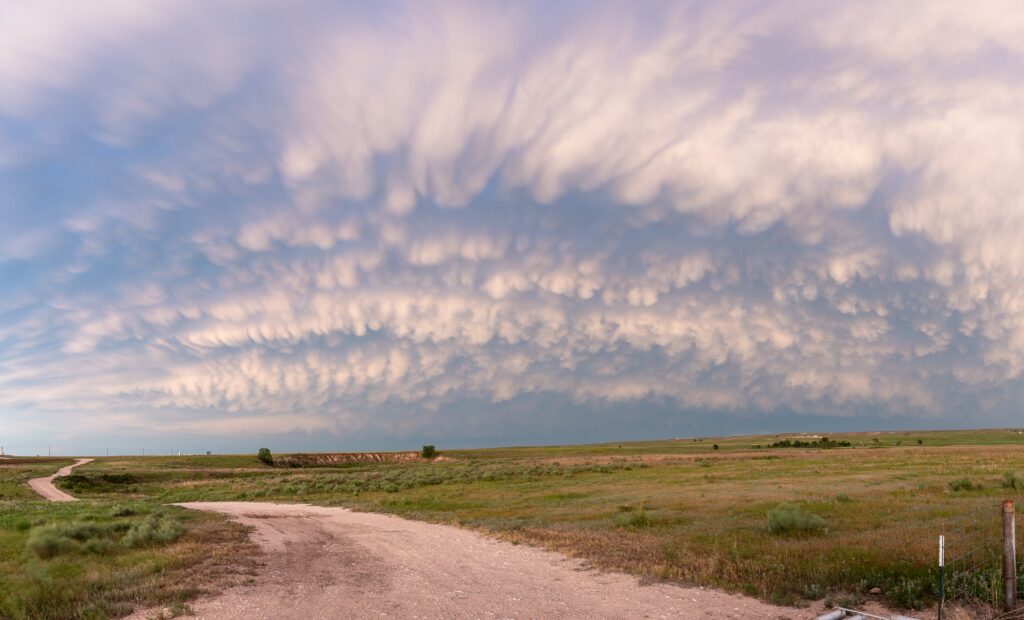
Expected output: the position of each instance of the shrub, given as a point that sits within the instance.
(715, 446)
(48, 541)
(920, 442)
(1011, 481)
(963, 484)
(787, 518)
(265, 456)
(428, 452)
(158, 528)
(96, 483)
(843, 498)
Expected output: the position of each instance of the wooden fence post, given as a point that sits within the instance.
(1009, 556)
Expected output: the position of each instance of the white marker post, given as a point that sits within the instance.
(942, 572)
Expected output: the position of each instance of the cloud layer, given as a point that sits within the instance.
(224, 218)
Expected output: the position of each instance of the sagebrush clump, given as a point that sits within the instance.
(788, 518)
(49, 541)
(158, 528)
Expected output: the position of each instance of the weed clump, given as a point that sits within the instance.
(791, 519)
(963, 484)
(1012, 481)
(911, 592)
(637, 520)
(158, 528)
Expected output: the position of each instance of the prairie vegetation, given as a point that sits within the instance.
(783, 525)
(100, 559)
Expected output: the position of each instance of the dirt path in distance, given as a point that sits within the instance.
(44, 486)
(334, 563)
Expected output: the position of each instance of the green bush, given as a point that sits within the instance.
(265, 456)
(963, 484)
(428, 452)
(96, 483)
(787, 518)
(1011, 481)
(48, 541)
(157, 528)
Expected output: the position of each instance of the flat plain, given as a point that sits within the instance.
(685, 510)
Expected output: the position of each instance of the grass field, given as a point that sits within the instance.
(681, 510)
(102, 558)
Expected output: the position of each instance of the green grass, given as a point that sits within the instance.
(99, 559)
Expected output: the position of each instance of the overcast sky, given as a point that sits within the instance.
(324, 225)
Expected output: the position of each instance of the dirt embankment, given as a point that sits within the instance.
(327, 459)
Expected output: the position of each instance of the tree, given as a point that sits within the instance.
(428, 452)
(265, 456)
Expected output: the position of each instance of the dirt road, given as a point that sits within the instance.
(333, 563)
(44, 486)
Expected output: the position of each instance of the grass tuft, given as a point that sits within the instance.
(963, 484)
(637, 520)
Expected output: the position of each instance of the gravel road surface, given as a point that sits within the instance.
(44, 486)
(334, 563)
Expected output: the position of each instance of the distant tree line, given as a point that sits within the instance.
(824, 442)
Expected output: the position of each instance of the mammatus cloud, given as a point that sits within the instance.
(228, 218)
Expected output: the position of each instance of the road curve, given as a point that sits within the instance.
(333, 563)
(44, 486)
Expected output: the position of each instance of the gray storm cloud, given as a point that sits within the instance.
(312, 219)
